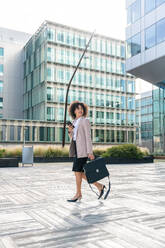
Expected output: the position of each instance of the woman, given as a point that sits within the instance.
(81, 146)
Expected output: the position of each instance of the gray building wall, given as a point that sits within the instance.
(13, 43)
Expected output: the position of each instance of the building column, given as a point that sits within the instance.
(127, 136)
(22, 134)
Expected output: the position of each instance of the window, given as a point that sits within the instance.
(159, 2)
(91, 115)
(122, 51)
(129, 19)
(160, 34)
(42, 133)
(150, 40)
(68, 38)
(60, 114)
(122, 85)
(110, 136)
(50, 114)
(19, 128)
(49, 94)
(123, 102)
(12, 128)
(1, 70)
(131, 86)
(136, 44)
(60, 95)
(60, 76)
(134, 12)
(1, 102)
(27, 133)
(133, 45)
(123, 118)
(122, 68)
(130, 137)
(60, 135)
(99, 135)
(50, 54)
(1, 86)
(51, 34)
(149, 5)
(128, 48)
(50, 74)
(50, 133)
(60, 36)
(1, 51)
(131, 103)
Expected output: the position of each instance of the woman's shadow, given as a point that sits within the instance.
(92, 214)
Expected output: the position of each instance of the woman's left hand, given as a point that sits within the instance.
(91, 156)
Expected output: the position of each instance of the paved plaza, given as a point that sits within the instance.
(34, 211)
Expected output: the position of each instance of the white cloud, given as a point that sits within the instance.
(108, 17)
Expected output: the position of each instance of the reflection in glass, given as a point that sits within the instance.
(1, 51)
(149, 5)
(129, 48)
(1, 86)
(136, 44)
(50, 113)
(136, 11)
(129, 15)
(150, 40)
(159, 2)
(1, 70)
(160, 34)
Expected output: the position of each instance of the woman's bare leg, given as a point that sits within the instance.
(98, 185)
(78, 176)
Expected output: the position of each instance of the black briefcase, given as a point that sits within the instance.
(96, 170)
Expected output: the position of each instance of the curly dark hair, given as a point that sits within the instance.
(75, 105)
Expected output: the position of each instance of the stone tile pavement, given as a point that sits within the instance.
(34, 212)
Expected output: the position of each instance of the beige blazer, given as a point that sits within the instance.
(83, 140)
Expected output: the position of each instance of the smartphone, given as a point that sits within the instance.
(69, 123)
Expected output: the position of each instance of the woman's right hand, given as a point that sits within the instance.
(70, 129)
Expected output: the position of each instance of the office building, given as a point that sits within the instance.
(144, 115)
(146, 40)
(51, 56)
(145, 35)
(11, 73)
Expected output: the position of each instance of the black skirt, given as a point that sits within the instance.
(78, 164)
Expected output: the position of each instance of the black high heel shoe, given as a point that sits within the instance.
(102, 192)
(76, 199)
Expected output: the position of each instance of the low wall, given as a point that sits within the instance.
(148, 159)
(9, 162)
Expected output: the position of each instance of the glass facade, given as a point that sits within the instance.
(1, 86)
(144, 113)
(101, 82)
(1, 69)
(160, 34)
(134, 45)
(152, 4)
(159, 120)
(150, 119)
(149, 5)
(150, 37)
(1, 102)
(1, 51)
(155, 34)
(134, 12)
